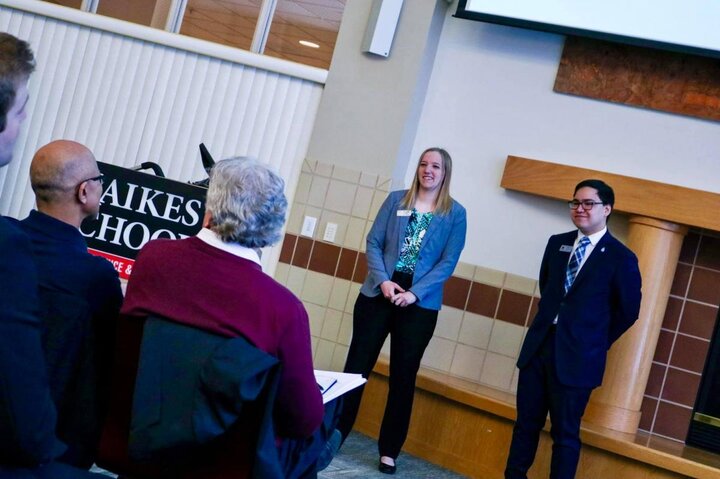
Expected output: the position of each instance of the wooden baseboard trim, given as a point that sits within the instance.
(467, 428)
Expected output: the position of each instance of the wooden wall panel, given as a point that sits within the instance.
(637, 76)
(474, 442)
(685, 206)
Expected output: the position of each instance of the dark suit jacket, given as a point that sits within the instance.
(193, 404)
(80, 299)
(602, 303)
(64, 265)
(193, 387)
(27, 414)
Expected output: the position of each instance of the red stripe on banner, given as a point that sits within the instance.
(122, 265)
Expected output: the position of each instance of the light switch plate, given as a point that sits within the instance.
(308, 226)
(330, 232)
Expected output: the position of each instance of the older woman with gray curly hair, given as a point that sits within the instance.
(214, 282)
(245, 203)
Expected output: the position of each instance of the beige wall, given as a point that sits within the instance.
(371, 105)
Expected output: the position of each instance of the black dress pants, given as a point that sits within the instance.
(539, 392)
(410, 329)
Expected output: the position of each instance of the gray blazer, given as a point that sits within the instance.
(439, 251)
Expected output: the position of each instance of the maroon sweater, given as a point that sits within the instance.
(196, 284)
(199, 285)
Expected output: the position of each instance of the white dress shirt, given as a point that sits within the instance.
(594, 238)
(211, 238)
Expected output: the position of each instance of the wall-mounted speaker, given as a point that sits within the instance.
(381, 26)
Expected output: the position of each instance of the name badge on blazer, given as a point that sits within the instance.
(404, 212)
(566, 248)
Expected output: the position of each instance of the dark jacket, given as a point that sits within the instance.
(27, 413)
(602, 303)
(79, 299)
(192, 387)
(200, 405)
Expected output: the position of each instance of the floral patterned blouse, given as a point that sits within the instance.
(414, 234)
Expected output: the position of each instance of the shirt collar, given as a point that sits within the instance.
(211, 238)
(594, 238)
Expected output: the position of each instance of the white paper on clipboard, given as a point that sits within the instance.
(333, 384)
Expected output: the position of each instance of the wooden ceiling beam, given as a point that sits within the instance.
(685, 206)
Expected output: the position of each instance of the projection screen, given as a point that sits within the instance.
(689, 26)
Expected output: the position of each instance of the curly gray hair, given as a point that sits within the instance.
(247, 202)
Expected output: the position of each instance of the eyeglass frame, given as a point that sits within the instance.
(586, 204)
(100, 178)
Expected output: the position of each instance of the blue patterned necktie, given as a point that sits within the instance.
(575, 262)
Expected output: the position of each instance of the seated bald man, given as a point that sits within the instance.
(80, 294)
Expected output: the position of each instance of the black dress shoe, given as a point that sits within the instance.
(386, 468)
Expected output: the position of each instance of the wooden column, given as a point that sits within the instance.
(616, 404)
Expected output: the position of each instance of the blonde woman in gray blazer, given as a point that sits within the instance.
(412, 249)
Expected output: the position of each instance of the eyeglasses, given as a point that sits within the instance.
(100, 178)
(586, 204)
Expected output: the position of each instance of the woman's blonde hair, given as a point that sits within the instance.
(444, 201)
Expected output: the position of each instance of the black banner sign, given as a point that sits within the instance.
(137, 207)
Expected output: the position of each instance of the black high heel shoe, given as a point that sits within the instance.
(386, 468)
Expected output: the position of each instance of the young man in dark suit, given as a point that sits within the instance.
(28, 444)
(27, 416)
(590, 295)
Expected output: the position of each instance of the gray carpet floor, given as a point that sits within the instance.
(359, 458)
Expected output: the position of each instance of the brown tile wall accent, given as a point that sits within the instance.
(301, 256)
(346, 265)
(681, 386)
(655, 380)
(360, 268)
(672, 313)
(704, 286)
(688, 252)
(483, 299)
(684, 340)
(533, 308)
(672, 420)
(707, 256)
(456, 291)
(681, 280)
(698, 320)
(288, 248)
(648, 409)
(459, 293)
(689, 353)
(664, 346)
(324, 258)
(514, 307)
